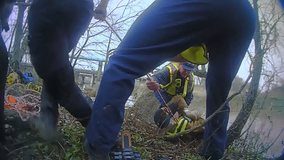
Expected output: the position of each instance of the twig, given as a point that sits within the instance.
(214, 114)
(264, 150)
(61, 147)
(51, 153)
(113, 30)
(262, 104)
(17, 149)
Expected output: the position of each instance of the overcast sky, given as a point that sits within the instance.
(243, 72)
(244, 69)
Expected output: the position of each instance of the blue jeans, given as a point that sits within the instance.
(163, 31)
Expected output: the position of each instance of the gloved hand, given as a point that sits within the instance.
(100, 12)
(5, 26)
(6, 10)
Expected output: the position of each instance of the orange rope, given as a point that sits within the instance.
(20, 105)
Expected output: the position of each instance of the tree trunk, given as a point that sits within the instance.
(17, 53)
(239, 123)
(108, 50)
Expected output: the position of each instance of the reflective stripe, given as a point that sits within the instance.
(172, 68)
(193, 81)
(182, 124)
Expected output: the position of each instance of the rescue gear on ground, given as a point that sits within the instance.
(18, 77)
(20, 103)
(21, 106)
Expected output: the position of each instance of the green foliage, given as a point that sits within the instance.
(238, 151)
(193, 157)
(72, 134)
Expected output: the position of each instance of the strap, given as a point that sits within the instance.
(172, 69)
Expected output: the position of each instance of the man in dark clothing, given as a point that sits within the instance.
(175, 79)
(54, 29)
(6, 7)
(3, 72)
(164, 32)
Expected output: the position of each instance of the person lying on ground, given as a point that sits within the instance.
(175, 79)
(165, 119)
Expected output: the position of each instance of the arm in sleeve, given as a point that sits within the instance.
(163, 77)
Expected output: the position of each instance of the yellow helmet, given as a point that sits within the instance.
(196, 54)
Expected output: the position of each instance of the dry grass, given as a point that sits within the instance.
(138, 120)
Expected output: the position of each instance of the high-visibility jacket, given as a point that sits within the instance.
(175, 82)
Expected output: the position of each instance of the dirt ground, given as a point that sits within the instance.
(25, 144)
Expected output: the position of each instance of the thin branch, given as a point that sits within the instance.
(264, 150)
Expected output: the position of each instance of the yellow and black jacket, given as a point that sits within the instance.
(185, 123)
(174, 84)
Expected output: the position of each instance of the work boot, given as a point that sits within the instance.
(93, 153)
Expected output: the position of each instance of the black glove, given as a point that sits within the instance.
(5, 13)
(5, 26)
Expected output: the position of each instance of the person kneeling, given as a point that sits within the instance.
(165, 119)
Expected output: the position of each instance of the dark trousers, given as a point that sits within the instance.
(163, 31)
(55, 27)
(3, 74)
